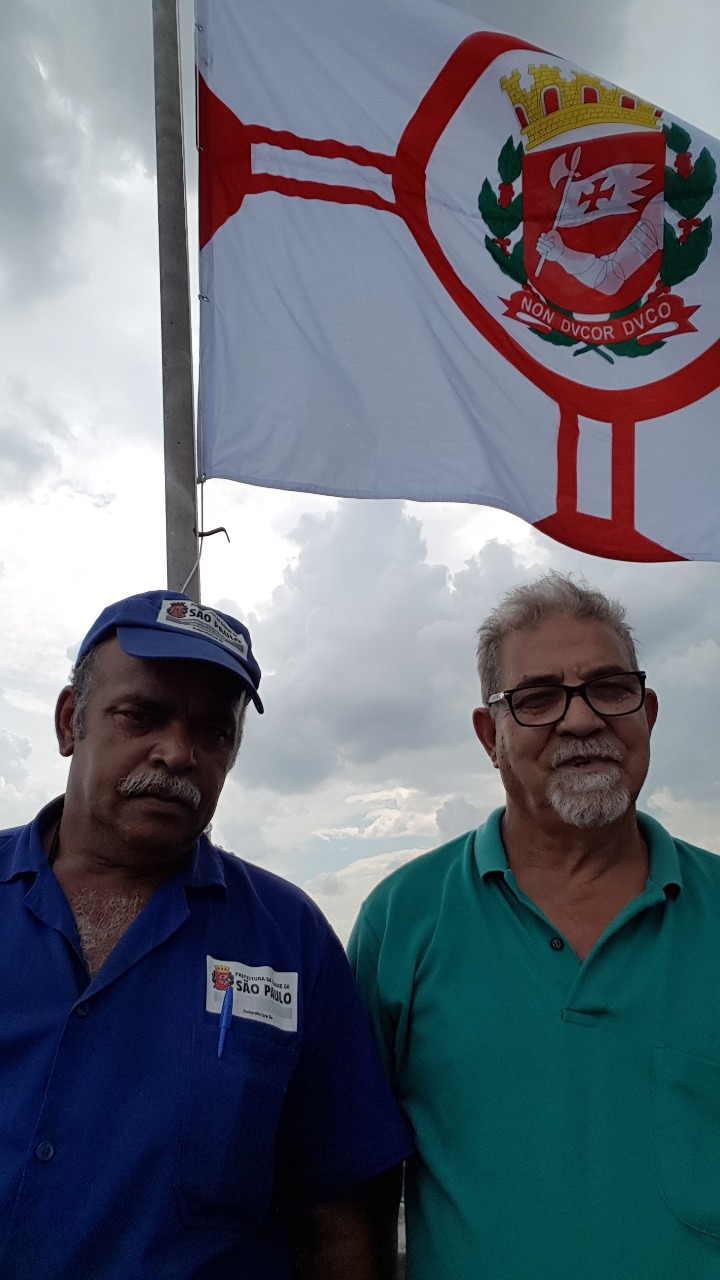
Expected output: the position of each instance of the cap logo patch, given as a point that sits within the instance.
(193, 618)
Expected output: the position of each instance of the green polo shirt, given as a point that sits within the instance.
(566, 1115)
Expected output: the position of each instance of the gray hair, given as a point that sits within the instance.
(243, 705)
(524, 607)
(81, 680)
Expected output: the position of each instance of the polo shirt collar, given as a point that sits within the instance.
(206, 868)
(489, 849)
(26, 853)
(664, 862)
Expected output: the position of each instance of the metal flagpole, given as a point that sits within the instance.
(181, 519)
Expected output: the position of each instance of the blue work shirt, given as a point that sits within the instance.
(128, 1147)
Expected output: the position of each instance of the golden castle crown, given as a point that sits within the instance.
(555, 105)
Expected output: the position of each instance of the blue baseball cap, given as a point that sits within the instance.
(168, 624)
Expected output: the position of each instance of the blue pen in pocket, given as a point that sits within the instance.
(225, 1019)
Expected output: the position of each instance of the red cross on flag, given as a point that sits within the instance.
(440, 264)
(604, 193)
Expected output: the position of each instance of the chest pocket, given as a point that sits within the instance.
(687, 1136)
(226, 1157)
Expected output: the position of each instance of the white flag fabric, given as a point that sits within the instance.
(440, 264)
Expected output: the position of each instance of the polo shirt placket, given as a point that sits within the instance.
(586, 983)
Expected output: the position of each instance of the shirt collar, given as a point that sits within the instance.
(26, 852)
(206, 868)
(664, 862)
(489, 849)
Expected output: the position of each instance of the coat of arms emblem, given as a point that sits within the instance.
(604, 228)
(222, 977)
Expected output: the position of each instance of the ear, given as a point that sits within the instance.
(65, 721)
(651, 708)
(486, 730)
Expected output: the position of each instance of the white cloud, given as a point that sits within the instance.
(699, 823)
(400, 811)
(14, 754)
(340, 893)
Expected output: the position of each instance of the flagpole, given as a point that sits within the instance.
(181, 520)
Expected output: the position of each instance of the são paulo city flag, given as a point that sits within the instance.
(438, 263)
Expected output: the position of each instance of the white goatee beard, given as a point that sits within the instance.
(588, 799)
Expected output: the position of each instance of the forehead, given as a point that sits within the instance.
(564, 648)
(169, 679)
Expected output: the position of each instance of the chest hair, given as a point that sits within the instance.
(102, 919)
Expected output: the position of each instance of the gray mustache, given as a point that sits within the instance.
(586, 749)
(164, 785)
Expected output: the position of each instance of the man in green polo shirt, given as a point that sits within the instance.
(545, 990)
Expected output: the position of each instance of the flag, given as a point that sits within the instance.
(438, 263)
(606, 193)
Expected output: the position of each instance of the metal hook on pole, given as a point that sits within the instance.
(208, 533)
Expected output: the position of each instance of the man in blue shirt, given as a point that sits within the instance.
(187, 1084)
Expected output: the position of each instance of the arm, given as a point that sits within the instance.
(354, 1238)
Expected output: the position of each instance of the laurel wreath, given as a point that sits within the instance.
(685, 193)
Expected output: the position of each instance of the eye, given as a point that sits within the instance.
(616, 692)
(224, 733)
(536, 699)
(134, 717)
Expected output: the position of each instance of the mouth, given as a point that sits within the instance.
(162, 798)
(588, 758)
(586, 762)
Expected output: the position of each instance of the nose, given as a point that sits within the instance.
(580, 718)
(174, 747)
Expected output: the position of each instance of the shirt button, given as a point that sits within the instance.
(45, 1151)
(82, 1010)
(556, 943)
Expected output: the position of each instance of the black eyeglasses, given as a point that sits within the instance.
(540, 704)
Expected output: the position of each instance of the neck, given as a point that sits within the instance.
(580, 879)
(104, 897)
(556, 850)
(89, 860)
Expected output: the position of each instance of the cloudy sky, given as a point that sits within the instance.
(363, 614)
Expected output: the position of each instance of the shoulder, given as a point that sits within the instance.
(273, 902)
(698, 862)
(695, 865)
(428, 867)
(411, 889)
(408, 903)
(242, 875)
(11, 835)
(24, 838)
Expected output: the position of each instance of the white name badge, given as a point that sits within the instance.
(261, 994)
